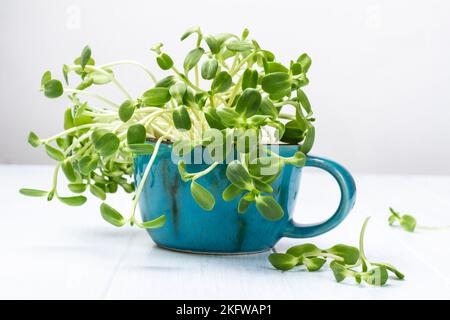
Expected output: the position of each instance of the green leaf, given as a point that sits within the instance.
(192, 58)
(209, 69)
(181, 118)
(222, 37)
(243, 205)
(276, 84)
(271, 67)
(296, 68)
(263, 167)
(136, 134)
(73, 201)
(68, 119)
(283, 261)
(267, 108)
(339, 271)
(377, 276)
(177, 91)
(228, 116)
(34, 140)
(213, 119)
(156, 97)
(111, 187)
(46, 77)
(231, 192)
(112, 216)
(33, 192)
(314, 264)
(190, 31)
(245, 34)
(408, 222)
(126, 110)
(203, 197)
(153, 224)
(303, 99)
(299, 159)
(64, 142)
(392, 219)
(68, 170)
(269, 208)
(293, 132)
(141, 148)
(309, 140)
(221, 83)
(249, 79)
(249, 102)
(348, 253)
(100, 78)
(213, 44)
(54, 153)
(189, 99)
(65, 70)
(53, 89)
(262, 186)
(305, 62)
(86, 83)
(306, 249)
(166, 82)
(239, 45)
(85, 56)
(77, 187)
(164, 61)
(87, 164)
(107, 144)
(394, 213)
(239, 176)
(77, 61)
(392, 269)
(98, 192)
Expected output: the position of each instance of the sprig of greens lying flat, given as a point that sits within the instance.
(408, 223)
(345, 261)
(228, 85)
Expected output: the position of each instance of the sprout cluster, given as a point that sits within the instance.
(228, 86)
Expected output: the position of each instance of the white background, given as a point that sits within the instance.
(379, 81)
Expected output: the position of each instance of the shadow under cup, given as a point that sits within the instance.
(223, 230)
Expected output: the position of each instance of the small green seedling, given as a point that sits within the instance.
(345, 260)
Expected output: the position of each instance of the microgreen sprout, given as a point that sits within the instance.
(345, 261)
(408, 223)
(227, 86)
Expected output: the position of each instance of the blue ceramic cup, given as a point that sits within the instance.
(223, 230)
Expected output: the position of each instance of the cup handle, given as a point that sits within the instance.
(348, 196)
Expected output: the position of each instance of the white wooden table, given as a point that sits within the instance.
(49, 250)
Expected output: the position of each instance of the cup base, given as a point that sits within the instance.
(211, 253)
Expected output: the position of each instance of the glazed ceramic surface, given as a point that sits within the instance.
(223, 230)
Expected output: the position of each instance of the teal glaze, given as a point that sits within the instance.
(224, 230)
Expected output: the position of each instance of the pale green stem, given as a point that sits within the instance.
(121, 62)
(144, 178)
(236, 89)
(242, 62)
(205, 172)
(93, 95)
(66, 132)
(186, 80)
(55, 178)
(362, 255)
